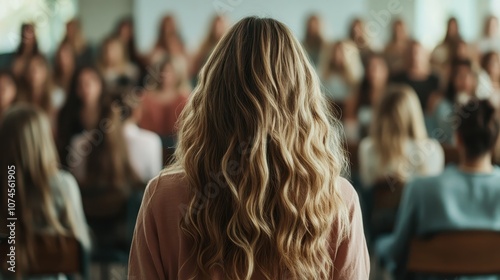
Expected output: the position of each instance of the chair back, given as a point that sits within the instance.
(456, 253)
(386, 195)
(54, 255)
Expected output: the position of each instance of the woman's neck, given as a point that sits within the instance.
(480, 165)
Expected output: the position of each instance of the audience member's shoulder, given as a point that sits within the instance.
(64, 177)
(149, 136)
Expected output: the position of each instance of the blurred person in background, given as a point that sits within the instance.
(358, 35)
(74, 36)
(37, 87)
(444, 53)
(419, 76)
(169, 43)
(48, 200)
(490, 41)
(359, 107)
(218, 28)
(341, 71)
(461, 88)
(8, 91)
(490, 63)
(64, 66)
(116, 68)
(397, 48)
(398, 145)
(314, 41)
(144, 147)
(28, 47)
(102, 166)
(126, 33)
(462, 197)
(162, 105)
(81, 110)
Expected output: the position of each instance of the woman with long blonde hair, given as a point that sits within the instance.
(47, 199)
(254, 191)
(398, 144)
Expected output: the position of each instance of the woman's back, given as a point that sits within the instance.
(164, 206)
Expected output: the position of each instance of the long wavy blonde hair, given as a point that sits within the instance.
(398, 119)
(262, 159)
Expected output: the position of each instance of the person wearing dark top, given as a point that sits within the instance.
(419, 76)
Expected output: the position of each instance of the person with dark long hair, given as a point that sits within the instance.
(168, 43)
(28, 47)
(397, 48)
(314, 42)
(251, 194)
(81, 110)
(64, 66)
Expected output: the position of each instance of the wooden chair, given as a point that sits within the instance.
(456, 253)
(55, 255)
(386, 195)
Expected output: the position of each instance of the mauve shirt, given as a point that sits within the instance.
(160, 248)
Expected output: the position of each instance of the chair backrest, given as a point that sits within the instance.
(55, 255)
(387, 193)
(456, 253)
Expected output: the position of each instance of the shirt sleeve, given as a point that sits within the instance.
(145, 260)
(76, 207)
(352, 260)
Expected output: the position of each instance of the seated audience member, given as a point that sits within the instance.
(359, 106)
(28, 47)
(418, 75)
(463, 197)
(461, 88)
(64, 67)
(444, 53)
(490, 63)
(341, 71)
(359, 36)
(125, 32)
(8, 91)
(396, 50)
(398, 145)
(162, 106)
(314, 41)
(144, 147)
(74, 37)
(490, 42)
(115, 66)
(217, 29)
(101, 165)
(47, 199)
(246, 198)
(169, 43)
(81, 110)
(37, 87)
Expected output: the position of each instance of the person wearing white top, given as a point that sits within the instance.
(144, 147)
(398, 145)
(491, 38)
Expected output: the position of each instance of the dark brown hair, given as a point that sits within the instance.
(479, 127)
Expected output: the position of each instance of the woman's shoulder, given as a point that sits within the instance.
(168, 189)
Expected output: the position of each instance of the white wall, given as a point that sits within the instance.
(194, 16)
(99, 17)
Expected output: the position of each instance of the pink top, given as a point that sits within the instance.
(159, 247)
(159, 116)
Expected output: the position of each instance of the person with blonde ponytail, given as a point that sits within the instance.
(254, 191)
